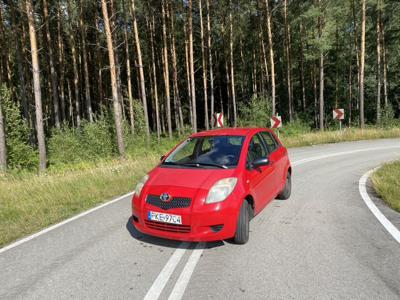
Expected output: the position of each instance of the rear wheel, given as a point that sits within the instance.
(285, 194)
(243, 225)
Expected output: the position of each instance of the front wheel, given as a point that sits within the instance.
(243, 225)
(285, 194)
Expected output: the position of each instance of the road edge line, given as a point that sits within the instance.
(362, 187)
(55, 226)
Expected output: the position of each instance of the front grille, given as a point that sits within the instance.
(167, 227)
(177, 202)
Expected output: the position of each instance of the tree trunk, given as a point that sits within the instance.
(177, 98)
(315, 93)
(362, 64)
(153, 63)
(166, 69)
(88, 100)
(74, 65)
(99, 63)
(378, 66)
(3, 148)
(128, 74)
(356, 48)
(204, 64)
(232, 70)
(337, 68)
(19, 59)
(321, 73)
(350, 83)
(188, 78)
(114, 86)
(228, 93)
(53, 73)
(61, 62)
(141, 73)
(210, 60)
(303, 85)
(385, 67)
(191, 63)
(264, 55)
(36, 83)
(71, 107)
(114, 27)
(288, 60)
(271, 57)
(5, 53)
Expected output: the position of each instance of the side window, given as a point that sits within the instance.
(269, 141)
(256, 149)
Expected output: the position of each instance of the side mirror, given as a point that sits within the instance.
(259, 162)
(162, 157)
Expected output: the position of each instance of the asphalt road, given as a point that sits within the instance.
(322, 243)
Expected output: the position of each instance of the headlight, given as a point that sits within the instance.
(140, 185)
(221, 190)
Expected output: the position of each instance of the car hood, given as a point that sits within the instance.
(182, 182)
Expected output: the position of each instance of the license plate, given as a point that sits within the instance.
(165, 218)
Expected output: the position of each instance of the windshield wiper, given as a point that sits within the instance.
(198, 164)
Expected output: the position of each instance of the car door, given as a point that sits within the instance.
(276, 155)
(259, 179)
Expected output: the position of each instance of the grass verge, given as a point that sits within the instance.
(386, 181)
(29, 202)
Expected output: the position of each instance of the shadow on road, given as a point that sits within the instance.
(136, 234)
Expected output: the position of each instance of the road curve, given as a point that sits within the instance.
(322, 243)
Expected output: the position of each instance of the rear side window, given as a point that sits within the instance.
(270, 141)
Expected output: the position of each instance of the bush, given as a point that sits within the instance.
(256, 113)
(20, 154)
(89, 143)
(388, 119)
(297, 127)
(140, 123)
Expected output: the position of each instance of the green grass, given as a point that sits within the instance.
(386, 181)
(30, 202)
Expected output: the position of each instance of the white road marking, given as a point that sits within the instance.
(35, 235)
(162, 278)
(362, 186)
(184, 278)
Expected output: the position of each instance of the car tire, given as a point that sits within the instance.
(243, 225)
(287, 190)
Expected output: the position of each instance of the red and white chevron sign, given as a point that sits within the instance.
(338, 114)
(219, 120)
(276, 122)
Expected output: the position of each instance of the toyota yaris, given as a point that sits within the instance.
(212, 184)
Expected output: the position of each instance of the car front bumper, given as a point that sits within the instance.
(206, 222)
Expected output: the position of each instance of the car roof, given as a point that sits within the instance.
(229, 131)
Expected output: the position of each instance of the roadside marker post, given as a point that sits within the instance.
(276, 123)
(338, 114)
(219, 120)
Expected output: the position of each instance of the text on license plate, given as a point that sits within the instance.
(166, 218)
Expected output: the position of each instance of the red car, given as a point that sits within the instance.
(212, 184)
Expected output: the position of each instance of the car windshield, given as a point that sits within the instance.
(207, 151)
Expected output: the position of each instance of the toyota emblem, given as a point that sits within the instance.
(165, 197)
